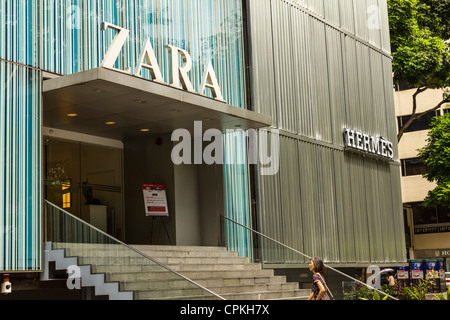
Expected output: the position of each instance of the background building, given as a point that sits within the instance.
(427, 229)
(332, 70)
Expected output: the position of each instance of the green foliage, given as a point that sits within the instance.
(375, 296)
(436, 156)
(442, 296)
(364, 293)
(388, 289)
(418, 292)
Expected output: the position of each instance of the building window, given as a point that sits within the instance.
(413, 167)
(425, 216)
(403, 86)
(418, 124)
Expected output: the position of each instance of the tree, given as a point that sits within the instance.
(436, 156)
(421, 56)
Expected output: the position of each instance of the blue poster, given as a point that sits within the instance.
(402, 273)
(432, 270)
(441, 269)
(417, 270)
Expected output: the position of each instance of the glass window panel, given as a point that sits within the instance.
(418, 124)
(413, 166)
(424, 215)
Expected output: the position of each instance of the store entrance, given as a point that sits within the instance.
(86, 180)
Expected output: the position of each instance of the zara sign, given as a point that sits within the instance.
(147, 60)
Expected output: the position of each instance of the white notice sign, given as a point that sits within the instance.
(155, 199)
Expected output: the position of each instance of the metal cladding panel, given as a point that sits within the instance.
(384, 21)
(326, 185)
(337, 97)
(319, 80)
(303, 103)
(269, 208)
(365, 89)
(330, 71)
(19, 36)
(347, 14)
(344, 209)
(309, 195)
(20, 158)
(290, 204)
(391, 125)
(332, 12)
(379, 110)
(261, 46)
(397, 215)
(353, 105)
(283, 57)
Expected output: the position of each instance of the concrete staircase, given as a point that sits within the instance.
(220, 271)
(225, 273)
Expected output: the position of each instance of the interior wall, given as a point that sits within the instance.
(147, 161)
(187, 199)
(194, 196)
(211, 203)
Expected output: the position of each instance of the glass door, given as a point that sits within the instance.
(86, 181)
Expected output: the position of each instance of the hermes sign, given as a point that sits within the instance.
(147, 60)
(377, 146)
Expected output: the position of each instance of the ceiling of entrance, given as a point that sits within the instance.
(112, 104)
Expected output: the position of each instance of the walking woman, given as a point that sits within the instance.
(319, 287)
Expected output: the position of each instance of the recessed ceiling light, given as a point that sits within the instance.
(72, 115)
(110, 122)
(145, 130)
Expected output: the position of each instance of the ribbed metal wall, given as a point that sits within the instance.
(331, 70)
(20, 136)
(20, 159)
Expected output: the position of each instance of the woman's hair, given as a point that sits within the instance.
(318, 265)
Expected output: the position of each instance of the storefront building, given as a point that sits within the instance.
(92, 92)
(428, 229)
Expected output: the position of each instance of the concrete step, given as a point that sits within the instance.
(221, 290)
(163, 252)
(216, 278)
(137, 262)
(171, 293)
(215, 268)
(184, 251)
(201, 260)
(299, 294)
(181, 283)
(155, 285)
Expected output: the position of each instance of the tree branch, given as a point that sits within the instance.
(402, 130)
(416, 116)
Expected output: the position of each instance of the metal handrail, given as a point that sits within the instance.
(135, 250)
(306, 256)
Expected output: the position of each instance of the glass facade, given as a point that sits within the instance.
(65, 37)
(20, 158)
(73, 40)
